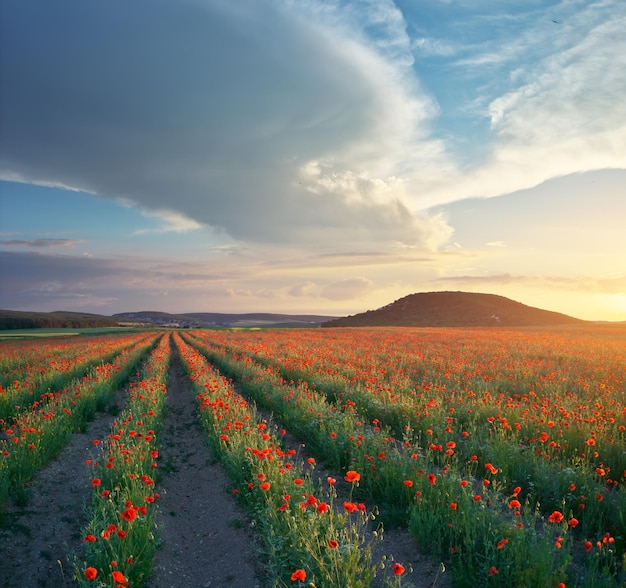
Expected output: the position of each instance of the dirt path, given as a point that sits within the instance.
(36, 537)
(205, 536)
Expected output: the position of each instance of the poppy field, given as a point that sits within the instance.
(501, 451)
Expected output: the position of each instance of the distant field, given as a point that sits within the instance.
(28, 333)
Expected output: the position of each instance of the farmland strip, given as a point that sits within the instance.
(303, 539)
(119, 539)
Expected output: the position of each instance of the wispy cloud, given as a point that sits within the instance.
(40, 243)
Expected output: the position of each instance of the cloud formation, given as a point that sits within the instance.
(208, 111)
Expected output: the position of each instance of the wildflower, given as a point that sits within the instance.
(516, 491)
(119, 577)
(408, 483)
(556, 517)
(432, 478)
(453, 506)
(502, 543)
(493, 571)
(352, 476)
(588, 546)
(350, 507)
(264, 486)
(96, 482)
(91, 573)
(398, 569)
(331, 481)
(130, 514)
(298, 575)
(573, 523)
(515, 504)
(333, 544)
(298, 481)
(89, 539)
(322, 507)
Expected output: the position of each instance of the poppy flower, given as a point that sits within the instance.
(333, 544)
(264, 486)
(119, 577)
(352, 476)
(398, 569)
(493, 571)
(91, 573)
(96, 482)
(408, 483)
(130, 514)
(298, 575)
(502, 543)
(556, 517)
(432, 478)
(350, 507)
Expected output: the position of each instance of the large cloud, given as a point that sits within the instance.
(212, 109)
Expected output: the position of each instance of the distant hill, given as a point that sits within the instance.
(204, 319)
(455, 309)
(17, 319)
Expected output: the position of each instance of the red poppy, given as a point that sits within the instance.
(493, 571)
(352, 476)
(264, 486)
(333, 544)
(130, 514)
(91, 573)
(588, 546)
(453, 505)
(556, 517)
(119, 577)
(298, 575)
(432, 478)
(350, 507)
(89, 539)
(502, 543)
(96, 482)
(408, 483)
(322, 507)
(398, 569)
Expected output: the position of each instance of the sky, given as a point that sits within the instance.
(311, 156)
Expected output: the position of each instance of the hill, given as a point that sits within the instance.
(17, 319)
(455, 309)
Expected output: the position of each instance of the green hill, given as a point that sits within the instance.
(455, 309)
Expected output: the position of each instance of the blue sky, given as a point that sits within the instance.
(317, 156)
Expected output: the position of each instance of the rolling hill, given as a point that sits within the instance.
(455, 309)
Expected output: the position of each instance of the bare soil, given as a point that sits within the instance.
(204, 537)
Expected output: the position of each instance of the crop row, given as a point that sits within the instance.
(120, 536)
(305, 534)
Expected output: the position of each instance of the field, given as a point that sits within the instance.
(345, 457)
